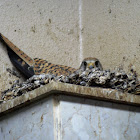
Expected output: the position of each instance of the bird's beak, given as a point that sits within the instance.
(91, 65)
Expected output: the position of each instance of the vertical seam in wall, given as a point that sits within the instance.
(80, 32)
(57, 119)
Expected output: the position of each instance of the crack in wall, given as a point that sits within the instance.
(127, 127)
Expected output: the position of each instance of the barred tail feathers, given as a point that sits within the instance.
(20, 60)
(19, 52)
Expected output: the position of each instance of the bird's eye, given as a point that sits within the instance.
(97, 63)
(85, 63)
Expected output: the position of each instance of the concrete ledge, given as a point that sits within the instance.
(69, 89)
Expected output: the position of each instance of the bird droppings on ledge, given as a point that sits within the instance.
(116, 79)
(13, 72)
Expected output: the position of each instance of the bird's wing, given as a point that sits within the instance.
(43, 66)
(29, 66)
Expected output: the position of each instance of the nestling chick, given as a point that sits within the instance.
(90, 63)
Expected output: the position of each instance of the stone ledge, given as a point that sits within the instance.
(69, 89)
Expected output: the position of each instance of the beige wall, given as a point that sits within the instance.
(66, 31)
(111, 32)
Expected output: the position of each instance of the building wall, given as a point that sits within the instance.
(34, 122)
(85, 119)
(72, 118)
(65, 32)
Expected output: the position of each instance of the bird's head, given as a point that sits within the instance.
(90, 63)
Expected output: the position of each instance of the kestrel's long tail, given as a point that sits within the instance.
(21, 60)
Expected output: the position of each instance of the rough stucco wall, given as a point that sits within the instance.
(64, 32)
(111, 32)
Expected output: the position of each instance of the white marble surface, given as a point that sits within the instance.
(34, 122)
(84, 119)
(72, 118)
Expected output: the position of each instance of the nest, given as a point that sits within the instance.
(117, 79)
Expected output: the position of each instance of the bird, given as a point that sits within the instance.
(90, 63)
(29, 67)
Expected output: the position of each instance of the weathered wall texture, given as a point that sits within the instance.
(111, 32)
(72, 118)
(34, 122)
(84, 119)
(64, 32)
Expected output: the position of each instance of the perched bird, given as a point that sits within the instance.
(36, 66)
(29, 66)
(90, 63)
